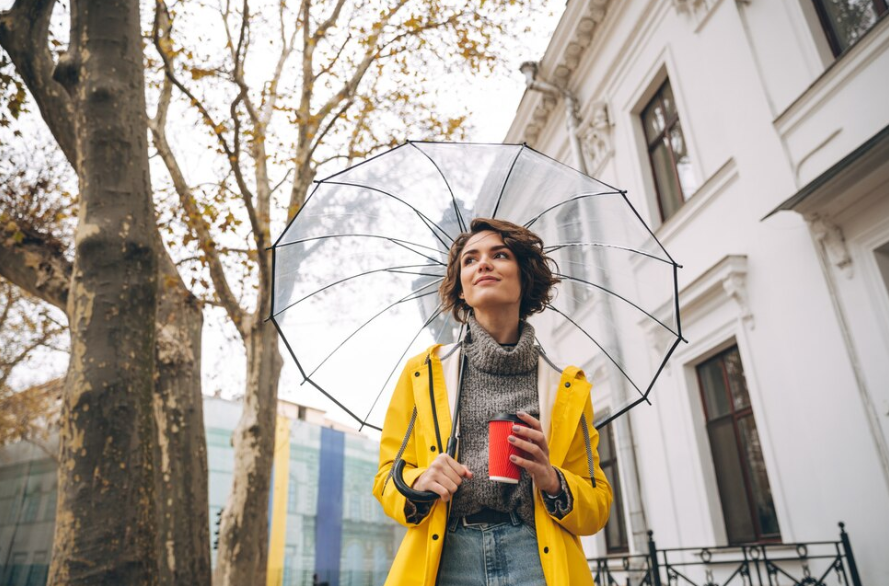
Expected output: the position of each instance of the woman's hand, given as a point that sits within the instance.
(532, 440)
(443, 477)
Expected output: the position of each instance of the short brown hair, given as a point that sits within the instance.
(534, 268)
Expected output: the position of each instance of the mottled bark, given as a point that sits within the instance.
(37, 266)
(106, 521)
(181, 458)
(243, 546)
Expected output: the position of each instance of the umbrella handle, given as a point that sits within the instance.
(412, 495)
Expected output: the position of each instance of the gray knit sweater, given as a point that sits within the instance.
(497, 379)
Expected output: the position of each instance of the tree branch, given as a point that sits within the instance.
(24, 35)
(197, 224)
(38, 266)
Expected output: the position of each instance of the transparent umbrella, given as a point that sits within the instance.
(357, 270)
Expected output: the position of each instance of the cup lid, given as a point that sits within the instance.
(508, 417)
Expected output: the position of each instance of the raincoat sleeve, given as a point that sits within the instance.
(589, 505)
(398, 438)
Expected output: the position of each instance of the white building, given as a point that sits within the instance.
(764, 170)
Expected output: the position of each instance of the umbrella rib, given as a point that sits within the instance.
(311, 382)
(349, 278)
(410, 297)
(556, 247)
(505, 181)
(358, 235)
(612, 416)
(593, 340)
(619, 296)
(544, 155)
(457, 213)
(396, 241)
(644, 225)
(293, 219)
(429, 223)
(364, 162)
(400, 358)
(567, 201)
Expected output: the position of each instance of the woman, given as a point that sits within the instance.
(480, 531)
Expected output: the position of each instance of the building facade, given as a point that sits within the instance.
(326, 527)
(752, 136)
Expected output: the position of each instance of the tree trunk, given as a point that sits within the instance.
(181, 456)
(243, 547)
(106, 521)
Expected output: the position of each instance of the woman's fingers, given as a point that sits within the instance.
(444, 477)
(457, 467)
(532, 434)
(530, 420)
(530, 447)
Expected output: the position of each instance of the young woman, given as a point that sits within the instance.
(480, 531)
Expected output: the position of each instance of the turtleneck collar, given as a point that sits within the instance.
(485, 354)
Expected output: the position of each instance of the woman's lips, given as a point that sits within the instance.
(486, 280)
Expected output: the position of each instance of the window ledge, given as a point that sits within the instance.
(844, 67)
(692, 208)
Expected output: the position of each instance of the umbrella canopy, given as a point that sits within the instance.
(357, 270)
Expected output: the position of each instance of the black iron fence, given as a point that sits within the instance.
(817, 563)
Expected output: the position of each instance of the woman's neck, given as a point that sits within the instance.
(503, 327)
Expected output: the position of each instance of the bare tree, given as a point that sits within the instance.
(286, 89)
(97, 117)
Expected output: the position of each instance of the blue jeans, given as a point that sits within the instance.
(490, 554)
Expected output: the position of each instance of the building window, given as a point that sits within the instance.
(744, 490)
(846, 21)
(616, 540)
(667, 152)
(570, 230)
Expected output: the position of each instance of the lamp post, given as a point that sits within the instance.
(626, 445)
(534, 83)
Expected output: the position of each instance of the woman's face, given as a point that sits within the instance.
(489, 274)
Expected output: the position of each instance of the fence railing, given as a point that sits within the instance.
(816, 563)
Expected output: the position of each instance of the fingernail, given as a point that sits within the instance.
(511, 438)
(516, 427)
(513, 458)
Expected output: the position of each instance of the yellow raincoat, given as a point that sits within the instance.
(566, 414)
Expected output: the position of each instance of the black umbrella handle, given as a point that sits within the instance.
(415, 496)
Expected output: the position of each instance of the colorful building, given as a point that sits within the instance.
(341, 538)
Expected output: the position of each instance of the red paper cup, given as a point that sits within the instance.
(500, 467)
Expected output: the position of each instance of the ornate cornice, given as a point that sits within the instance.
(566, 62)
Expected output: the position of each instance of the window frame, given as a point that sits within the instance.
(833, 41)
(618, 513)
(663, 138)
(736, 415)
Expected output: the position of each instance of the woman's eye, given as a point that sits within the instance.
(503, 254)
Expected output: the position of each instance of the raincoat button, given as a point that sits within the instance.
(435, 537)
(417, 373)
(567, 385)
(545, 550)
(431, 448)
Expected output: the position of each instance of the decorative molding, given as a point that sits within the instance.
(689, 6)
(596, 137)
(723, 282)
(567, 60)
(735, 285)
(830, 236)
(698, 10)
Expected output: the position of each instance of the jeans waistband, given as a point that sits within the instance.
(484, 517)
